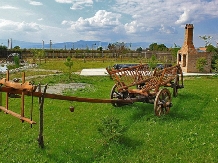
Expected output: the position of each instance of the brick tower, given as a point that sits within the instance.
(187, 56)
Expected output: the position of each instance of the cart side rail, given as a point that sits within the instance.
(161, 78)
(128, 77)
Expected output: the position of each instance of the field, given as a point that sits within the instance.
(188, 133)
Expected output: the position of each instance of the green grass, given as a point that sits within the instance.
(187, 134)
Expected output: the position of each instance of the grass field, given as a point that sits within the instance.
(188, 133)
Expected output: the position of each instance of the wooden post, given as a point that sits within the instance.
(22, 97)
(39, 90)
(0, 98)
(7, 94)
(40, 137)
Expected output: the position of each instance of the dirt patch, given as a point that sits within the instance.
(59, 88)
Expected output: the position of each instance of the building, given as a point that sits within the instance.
(187, 56)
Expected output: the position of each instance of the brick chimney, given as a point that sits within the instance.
(188, 46)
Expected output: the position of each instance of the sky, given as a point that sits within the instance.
(129, 21)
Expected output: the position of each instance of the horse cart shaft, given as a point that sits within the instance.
(67, 98)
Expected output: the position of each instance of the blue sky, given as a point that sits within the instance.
(152, 21)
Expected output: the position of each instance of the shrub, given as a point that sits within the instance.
(69, 64)
(152, 62)
(201, 62)
(17, 61)
(110, 129)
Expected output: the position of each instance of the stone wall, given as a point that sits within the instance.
(192, 62)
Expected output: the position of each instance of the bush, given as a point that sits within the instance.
(17, 61)
(201, 62)
(111, 129)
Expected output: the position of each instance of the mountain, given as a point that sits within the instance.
(81, 44)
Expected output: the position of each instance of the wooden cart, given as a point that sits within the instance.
(141, 84)
(134, 84)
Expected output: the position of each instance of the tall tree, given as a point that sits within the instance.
(214, 51)
(38, 53)
(206, 39)
(3, 47)
(174, 50)
(118, 48)
(157, 47)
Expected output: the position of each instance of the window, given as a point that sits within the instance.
(184, 60)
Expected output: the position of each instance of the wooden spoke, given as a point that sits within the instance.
(115, 95)
(162, 102)
(176, 86)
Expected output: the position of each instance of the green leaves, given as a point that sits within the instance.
(111, 129)
(69, 63)
(200, 63)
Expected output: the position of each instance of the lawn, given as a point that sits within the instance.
(188, 133)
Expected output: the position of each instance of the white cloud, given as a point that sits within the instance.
(64, 1)
(126, 20)
(77, 4)
(19, 26)
(103, 24)
(184, 18)
(34, 3)
(101, 20)
(167, 29)
(8, 7)
(155, 12)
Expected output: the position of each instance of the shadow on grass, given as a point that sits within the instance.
(188, 106)
(138, 110)
(129, 143)
(123, 146)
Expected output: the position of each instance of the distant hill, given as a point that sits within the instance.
(68, 45)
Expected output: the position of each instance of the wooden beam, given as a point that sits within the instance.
(21, 86)
(17, 115)
(22, 96)
(7, 94)
(68, 98)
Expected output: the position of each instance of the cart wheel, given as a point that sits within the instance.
(162, 102)
(176, 86)
(115, 95)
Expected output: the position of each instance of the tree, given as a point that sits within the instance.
(210, 48)
(16, 48)
(216, 66)
(38, 53)
(206, 39)
(100, 49)
(118, 48)
(17, 61)
(69, 64)
(200, 63)
(3, 47)
(139, 50)
(174, 50)
(152, 62)
(214, 51)
(157, 47)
